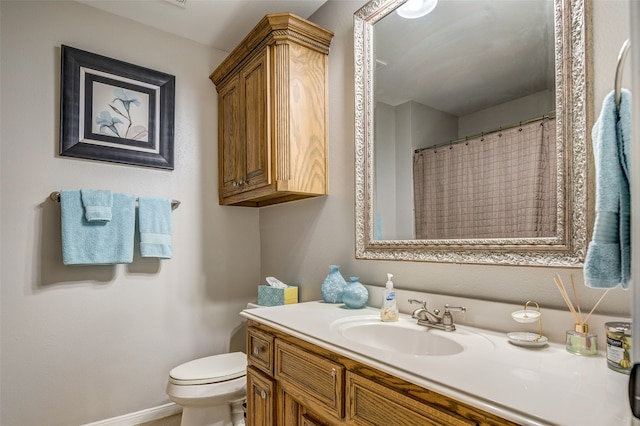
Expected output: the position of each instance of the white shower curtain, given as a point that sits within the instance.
(501, 185)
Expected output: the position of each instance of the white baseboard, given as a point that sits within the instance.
(139, 417)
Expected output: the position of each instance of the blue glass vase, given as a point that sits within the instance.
(333, 285)
(355, 295)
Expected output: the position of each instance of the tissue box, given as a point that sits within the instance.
(271, 296)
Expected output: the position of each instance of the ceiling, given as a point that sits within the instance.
(467, 55)
(217, 23)
(477, 52)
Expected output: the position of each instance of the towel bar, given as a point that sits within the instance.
(55, 196)
(621, 58)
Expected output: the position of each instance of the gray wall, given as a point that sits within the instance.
(300, 240)
(81, 344)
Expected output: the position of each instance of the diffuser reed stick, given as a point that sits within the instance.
(575, 294)
(563, 292)
(596, 305)
(577, 314)
(579, 340)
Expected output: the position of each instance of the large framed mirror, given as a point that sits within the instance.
(471, 131)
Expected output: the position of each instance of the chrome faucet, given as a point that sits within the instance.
(433, 318)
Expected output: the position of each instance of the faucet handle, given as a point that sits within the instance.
(449, 308)
(447, 318)
(420, 302)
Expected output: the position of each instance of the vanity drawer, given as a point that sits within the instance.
(369, 403)
(315, 381)
(260, 349)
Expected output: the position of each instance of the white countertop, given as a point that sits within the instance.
(530, 386)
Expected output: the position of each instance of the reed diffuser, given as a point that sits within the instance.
(579, 340)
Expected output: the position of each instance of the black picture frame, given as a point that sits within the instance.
(115, 111)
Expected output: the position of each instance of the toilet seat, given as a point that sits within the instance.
(211, 369)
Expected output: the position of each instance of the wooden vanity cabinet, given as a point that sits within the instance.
(308, 385)
(272, 114)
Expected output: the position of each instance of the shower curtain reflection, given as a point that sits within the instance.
(500, 185)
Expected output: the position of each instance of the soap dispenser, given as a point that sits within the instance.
(389, 311)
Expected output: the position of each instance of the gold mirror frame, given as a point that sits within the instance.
(573, 98)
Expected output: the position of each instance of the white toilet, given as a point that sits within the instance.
(211, 390)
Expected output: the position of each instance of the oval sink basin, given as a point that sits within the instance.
(401, 339)
(407, 337)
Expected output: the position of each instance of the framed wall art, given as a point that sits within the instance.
(115, 111)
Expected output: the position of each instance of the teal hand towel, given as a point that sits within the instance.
(608, 260)
(623, 132)
(97, 204)
(97, 243)
(154, 221)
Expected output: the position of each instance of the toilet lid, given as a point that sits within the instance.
(211, 369)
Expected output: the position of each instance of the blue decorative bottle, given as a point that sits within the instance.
(333, 285)
(355, 295)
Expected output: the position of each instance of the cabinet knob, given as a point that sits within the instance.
(257, 350)
(264, 394)
(234, 183)
(242, 182)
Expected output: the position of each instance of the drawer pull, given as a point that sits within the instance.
(257, 350)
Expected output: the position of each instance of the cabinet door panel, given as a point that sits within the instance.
(292, 413)
(257, 135)
(260, 399)
(229, 137)
(288, 409)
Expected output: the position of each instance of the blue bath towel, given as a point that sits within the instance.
(154, 221)
(608, 260)
(97, 243)
(97, 204)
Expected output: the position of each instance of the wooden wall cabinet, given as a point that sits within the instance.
(272, 114)
(311, 385)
